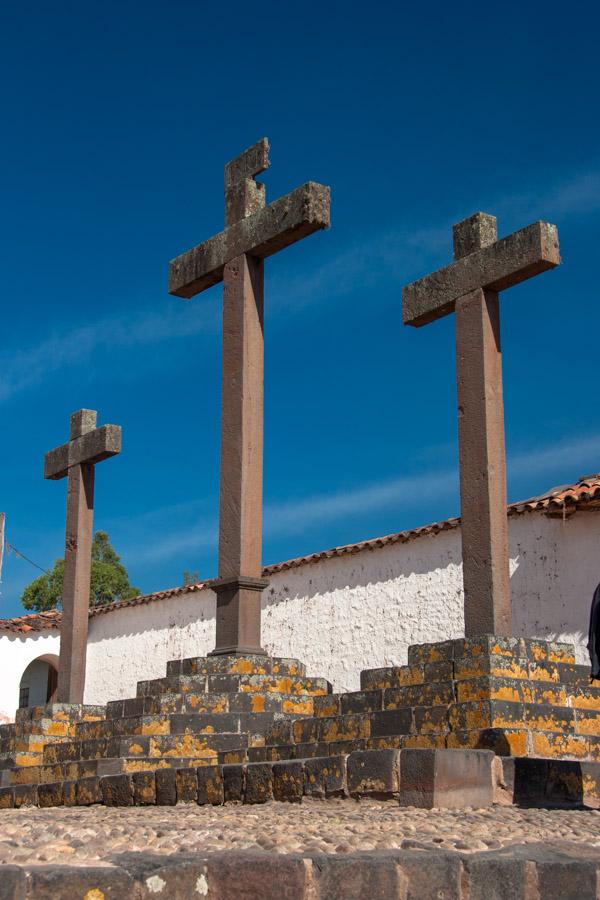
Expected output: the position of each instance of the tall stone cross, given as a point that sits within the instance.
(469, 287)
(235, 256)
(76, 459)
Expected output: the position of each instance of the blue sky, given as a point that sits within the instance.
(118, 119)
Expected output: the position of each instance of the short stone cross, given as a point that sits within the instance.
(76, 459)
(469, 287)
(235, 256)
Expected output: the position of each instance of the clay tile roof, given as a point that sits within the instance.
(558, 501)
(32, 622)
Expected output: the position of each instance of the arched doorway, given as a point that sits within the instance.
(38, 682)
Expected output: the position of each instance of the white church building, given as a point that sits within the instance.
(342, 610)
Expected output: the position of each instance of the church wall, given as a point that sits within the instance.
(362, 610)
(343, 614)
(16, 652)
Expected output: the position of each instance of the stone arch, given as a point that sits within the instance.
(38, 681)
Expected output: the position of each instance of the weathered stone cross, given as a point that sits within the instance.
(469, 287)
(76, 459)
(235, 256)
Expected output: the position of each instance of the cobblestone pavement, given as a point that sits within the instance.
(99, 834)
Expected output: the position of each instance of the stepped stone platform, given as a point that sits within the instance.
(466, 721)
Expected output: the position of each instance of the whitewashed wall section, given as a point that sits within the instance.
(344, 614)
(16, 653)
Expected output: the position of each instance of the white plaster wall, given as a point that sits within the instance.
(363, 610)
(16, 652)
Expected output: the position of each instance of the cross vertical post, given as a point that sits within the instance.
(236, 256)
(469, 287)
(87, 446)
(482, 455)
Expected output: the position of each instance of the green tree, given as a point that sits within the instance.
(109, 580)
(190, 577)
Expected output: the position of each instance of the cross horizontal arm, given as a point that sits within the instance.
(272, 228)
(499, 266)
(92, 447)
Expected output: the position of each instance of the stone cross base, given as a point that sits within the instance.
(253, 728)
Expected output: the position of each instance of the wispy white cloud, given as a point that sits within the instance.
(569, 459)
(401, 253)
(23, 368)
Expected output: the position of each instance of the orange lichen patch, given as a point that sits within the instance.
(302, 707)
(60, 729)
(541, 719)
(256, 740)
(25, 775)
(503, 742)
(485, 714)
(258, 703)
(28, 759)
(539, 652)
(139, 765)
(540, 671)
(407, 675)
(424, 741)
(187, 746)
(29, 746)
(591, 791)
(328, 706)
(91, 717)
(160, 726)
(233, 756)
(499, 666)
(584, 698)
(587, 722)
(242, 666)
(54, 773)
(207, 729)
(562, 746)
(345, 728)
(554, 695)
(558, 654)
(135, 749)
(388, 742)
(488, 688)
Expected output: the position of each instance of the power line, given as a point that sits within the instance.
(26, 558)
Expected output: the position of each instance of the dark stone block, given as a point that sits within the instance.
(69, 793)
(210, 784)
(446, 778)
(70, 882)
(288, 781)
(279, 732)
(234, 783)
(50, 794)
(25, 795)
(211, 723)
(374, 773)
(13, 883)
(432, 875)
(88, 791)
(361, 702)
(325, 777)
(267, 876)
(360, 876)
(259, 783)
(498, 877)
(561, 879)
(186, 783)
(117, 790)
(144, 788)
(7, 799)
(166, 787)
(397, 721)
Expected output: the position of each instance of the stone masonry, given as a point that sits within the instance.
(253, 728)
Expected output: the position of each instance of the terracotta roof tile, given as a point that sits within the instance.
(564, 500)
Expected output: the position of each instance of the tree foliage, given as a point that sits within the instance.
(109, 580)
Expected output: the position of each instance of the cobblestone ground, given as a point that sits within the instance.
(98, 834)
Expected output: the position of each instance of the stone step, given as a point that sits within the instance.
(171, 703)
(236, 665)
(152, 745)
(181, 723)
(227, 684)
(69, 712)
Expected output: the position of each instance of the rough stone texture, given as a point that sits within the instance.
(87, 446)
(328, 850)
(495, 267)
(470, 286)
(374, 773)
(445, 779)
(281, 223)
